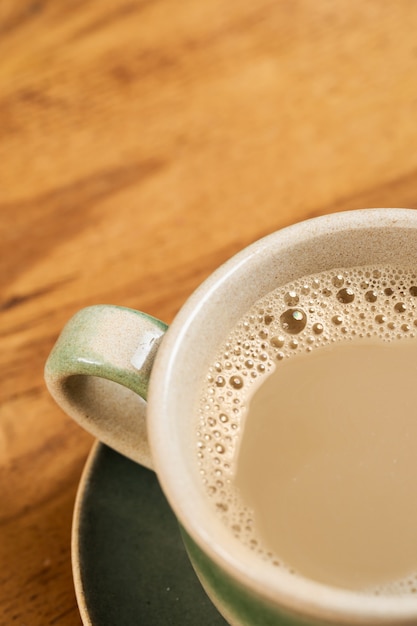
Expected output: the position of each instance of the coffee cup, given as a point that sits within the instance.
(142, 389)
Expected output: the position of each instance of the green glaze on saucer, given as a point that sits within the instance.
(130, 565)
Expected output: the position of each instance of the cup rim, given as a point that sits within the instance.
(306, 596)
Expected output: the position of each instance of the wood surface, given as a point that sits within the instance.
(142, 143)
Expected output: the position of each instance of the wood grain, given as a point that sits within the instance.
(142, 144)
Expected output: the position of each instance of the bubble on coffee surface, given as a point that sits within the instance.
(360, 303)
(404, 587)
(293, 321)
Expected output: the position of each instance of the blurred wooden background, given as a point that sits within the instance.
(142, 143)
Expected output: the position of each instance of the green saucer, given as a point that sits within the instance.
(130, 567)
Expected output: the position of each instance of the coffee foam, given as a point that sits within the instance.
(373, 302)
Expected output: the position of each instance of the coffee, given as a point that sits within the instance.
(307, 438)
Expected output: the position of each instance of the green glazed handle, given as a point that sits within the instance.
(98, 372)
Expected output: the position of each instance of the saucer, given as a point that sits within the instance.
(129, 563)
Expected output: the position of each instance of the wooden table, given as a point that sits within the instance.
(142, 144)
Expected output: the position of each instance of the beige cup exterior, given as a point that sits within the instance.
(247, 590)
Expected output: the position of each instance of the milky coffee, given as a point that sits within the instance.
(307, 435)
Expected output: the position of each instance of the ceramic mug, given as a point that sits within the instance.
(125, 378)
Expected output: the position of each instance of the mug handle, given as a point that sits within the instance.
(98, 372)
